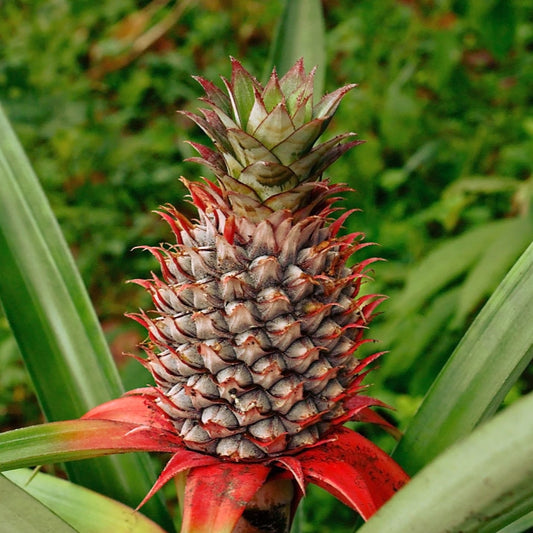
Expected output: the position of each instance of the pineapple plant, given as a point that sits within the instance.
(257, 316)
(257, 319)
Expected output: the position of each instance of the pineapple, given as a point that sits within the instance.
(257, 316)
(257, 321)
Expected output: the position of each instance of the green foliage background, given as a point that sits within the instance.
(444, 180)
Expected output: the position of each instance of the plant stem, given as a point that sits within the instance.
(270, 509)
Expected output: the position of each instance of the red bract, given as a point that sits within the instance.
(344, 463)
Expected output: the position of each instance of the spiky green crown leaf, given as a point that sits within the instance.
(265, 136)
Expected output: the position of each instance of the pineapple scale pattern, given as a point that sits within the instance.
(255, 325)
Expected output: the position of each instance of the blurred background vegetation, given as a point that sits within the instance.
(444, 181)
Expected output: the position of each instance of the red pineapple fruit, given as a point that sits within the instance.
(257, 319)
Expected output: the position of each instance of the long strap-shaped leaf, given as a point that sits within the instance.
(54, 323)
(72, 440)
(478, 485)
(100, 514)
(21, 512)
(490, 358)
(301, 33)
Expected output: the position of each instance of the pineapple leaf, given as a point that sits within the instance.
(481, 483)
(54, 323)
(276, 126)
(299, 142)
(83, 509)
(179, 463)
(491, 267)
(258, 112)
(268, 178)
(248, 149)
(214, 96)
(242, 92)
(322, 156)
(293, 80)
(436, 270)
(329, 102)
(418, 332)
(19, 511)
(354, 470)
(72, 440)
(523, 524)
(44, 298)
(300, 34)
(272, 93)
(486, 363)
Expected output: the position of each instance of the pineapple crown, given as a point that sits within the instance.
(265, 136)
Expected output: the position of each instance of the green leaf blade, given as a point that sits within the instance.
(55, 442)
(301, 33)
(82, 508)
(496, 260)
(446, 263)
(489, 359)
(44, 298)
(22, 513)
(478, 485)
(55, 325)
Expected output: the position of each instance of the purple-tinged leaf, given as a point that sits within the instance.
(209, 157)
(214, 95)
(329, 102)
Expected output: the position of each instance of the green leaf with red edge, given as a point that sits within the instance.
(241, 90)
(79, 439)
(224, 490)
(354, 470)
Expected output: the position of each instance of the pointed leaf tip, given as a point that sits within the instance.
(241, 91)
(329, 102)
(213, 94)
(182, 460)
(294, 77)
